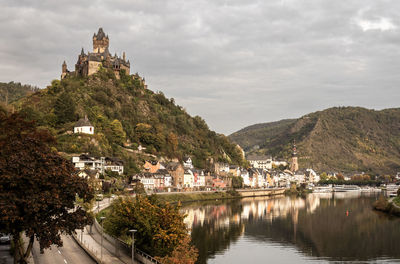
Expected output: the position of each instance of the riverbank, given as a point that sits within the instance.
(389, 206)
(196, 197)
(218, 195)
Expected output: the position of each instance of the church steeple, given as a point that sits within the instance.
(294, 152)
(294, 165)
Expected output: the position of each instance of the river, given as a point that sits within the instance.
(320, 228)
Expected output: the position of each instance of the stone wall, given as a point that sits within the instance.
(93, 67)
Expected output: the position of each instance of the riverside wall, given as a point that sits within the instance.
(260, 192)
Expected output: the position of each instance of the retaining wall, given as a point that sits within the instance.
(260, 192)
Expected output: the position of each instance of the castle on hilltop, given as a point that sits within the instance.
(90, 63)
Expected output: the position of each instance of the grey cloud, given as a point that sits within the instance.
(234, 63)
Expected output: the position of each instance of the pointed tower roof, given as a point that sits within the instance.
(100, 34)
(82, 52)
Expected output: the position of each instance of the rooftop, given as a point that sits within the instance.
(83, 122)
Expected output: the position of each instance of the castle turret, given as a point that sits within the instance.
(294, 165)
(100, 41)
(64, 70)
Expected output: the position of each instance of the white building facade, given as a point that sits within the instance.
(260, 162)
(84, 126)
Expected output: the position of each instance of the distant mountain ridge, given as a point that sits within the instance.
(12, 91)
(344, 139)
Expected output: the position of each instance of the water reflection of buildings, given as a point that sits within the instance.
(267, 208)
(271, 208)
(257, 208)
(218, 215)
(317, 225)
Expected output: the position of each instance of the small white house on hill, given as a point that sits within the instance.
(84, 126)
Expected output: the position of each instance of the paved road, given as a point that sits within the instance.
(70, 253)
(5, 257)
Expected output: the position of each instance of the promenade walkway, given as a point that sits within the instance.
(94, 247)
(90, 240)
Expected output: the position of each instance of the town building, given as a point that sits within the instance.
(187, 163)
(312, 176)
(113, 164)
(151, 166)
(218, 183)
(279, 162)
(176, 170)
(234, 170)
(260, 162)
(188, 179)
(199, 179)
(84, 126)
(145, 178)
(221, 168)
(246, 178)
(101, 164)
(300, 176)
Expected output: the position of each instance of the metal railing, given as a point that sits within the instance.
(126, 248)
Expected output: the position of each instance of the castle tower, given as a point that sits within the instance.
(100, 41)
(64, 70)
(294, 165)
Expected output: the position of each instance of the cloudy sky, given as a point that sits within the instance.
(234, 63)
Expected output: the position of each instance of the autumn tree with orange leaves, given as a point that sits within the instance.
(160, 227)
(38, 187)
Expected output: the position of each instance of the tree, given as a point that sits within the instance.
(172, 141)
(184, 253)
(237, 182)
(323, 176)
(64, 108)
(340, 177)
(38, 187)
(118, 133)
(160, 227)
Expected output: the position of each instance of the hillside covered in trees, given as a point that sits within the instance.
(124, 114)
(344, 139)
(10, 92)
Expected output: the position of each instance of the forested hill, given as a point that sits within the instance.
(124, 114)
(10, 92)
(336, 139)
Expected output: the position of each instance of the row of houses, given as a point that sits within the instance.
(263, 178)
(174, 175)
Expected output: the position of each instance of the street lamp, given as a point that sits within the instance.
(101, 249)
(133, 244)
